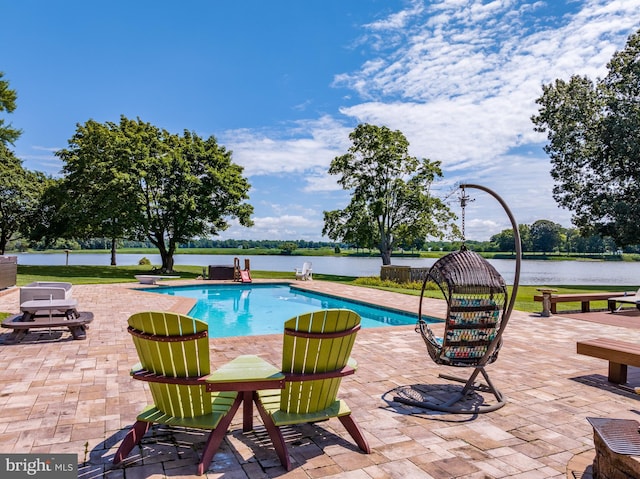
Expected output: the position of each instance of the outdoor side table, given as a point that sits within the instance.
(246, 374)
(546, 300)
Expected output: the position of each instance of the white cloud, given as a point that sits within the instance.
(461, 85)
(47, 163)
(285, 227)
(302, 146)
(46, 148)
(459, 78)
(463, 89)
(321, 181)
(397, 20)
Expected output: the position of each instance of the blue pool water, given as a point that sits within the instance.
(247, 310)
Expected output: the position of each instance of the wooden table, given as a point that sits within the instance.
(246, 374)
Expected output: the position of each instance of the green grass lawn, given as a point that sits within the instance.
(122, 274)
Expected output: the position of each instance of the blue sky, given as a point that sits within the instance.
(282, 83)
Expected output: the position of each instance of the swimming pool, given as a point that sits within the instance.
(248, 310)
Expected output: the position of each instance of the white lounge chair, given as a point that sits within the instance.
(305, 273)
(635, 299)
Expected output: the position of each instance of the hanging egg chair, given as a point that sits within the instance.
(478, 309)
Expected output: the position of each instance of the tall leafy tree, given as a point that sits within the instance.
(51, 221)
(98, 194)
(137, 181)
(391, 202)
(8, 97)
(188, 187)
(545, 236)
(505, 240)
(20, 191)
(593, 131)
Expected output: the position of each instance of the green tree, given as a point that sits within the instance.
(50, 223)
(8, 97)
(504, 240)
(288, 247)
(138, 181)
(20, 191)
(525, 237)
(390, 193)
(187, 186)
(593, 132)
(98, 196)
(545, 236)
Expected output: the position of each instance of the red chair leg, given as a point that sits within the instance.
(356, 433)
(216, 436)
(277, 439)
(133, 437)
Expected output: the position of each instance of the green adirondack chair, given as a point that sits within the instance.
(174, 358)
(315, 357)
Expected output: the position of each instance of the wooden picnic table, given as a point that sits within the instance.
(29, 318)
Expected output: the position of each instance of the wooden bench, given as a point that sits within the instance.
(630, 300)
(620, 354)
(583, 298)
(153, 278)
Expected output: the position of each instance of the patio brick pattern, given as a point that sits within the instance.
(60, 395)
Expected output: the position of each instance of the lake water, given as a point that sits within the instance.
(613, 273)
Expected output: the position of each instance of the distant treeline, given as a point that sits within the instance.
(498, 244)
(105, 244)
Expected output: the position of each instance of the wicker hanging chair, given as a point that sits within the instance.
(476, 298)
(478, 309)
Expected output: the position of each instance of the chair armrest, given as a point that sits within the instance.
(138, 372)
(338, 373)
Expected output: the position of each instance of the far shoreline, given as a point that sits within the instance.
(302, 252)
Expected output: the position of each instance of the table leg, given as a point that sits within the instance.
(617, 373)
(247, 411)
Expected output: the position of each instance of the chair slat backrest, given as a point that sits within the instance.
(173, 346)
(317, 342)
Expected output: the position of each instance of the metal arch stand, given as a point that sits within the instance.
(453, 404)
(516, 238)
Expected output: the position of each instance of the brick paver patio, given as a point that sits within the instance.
(63, 396)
